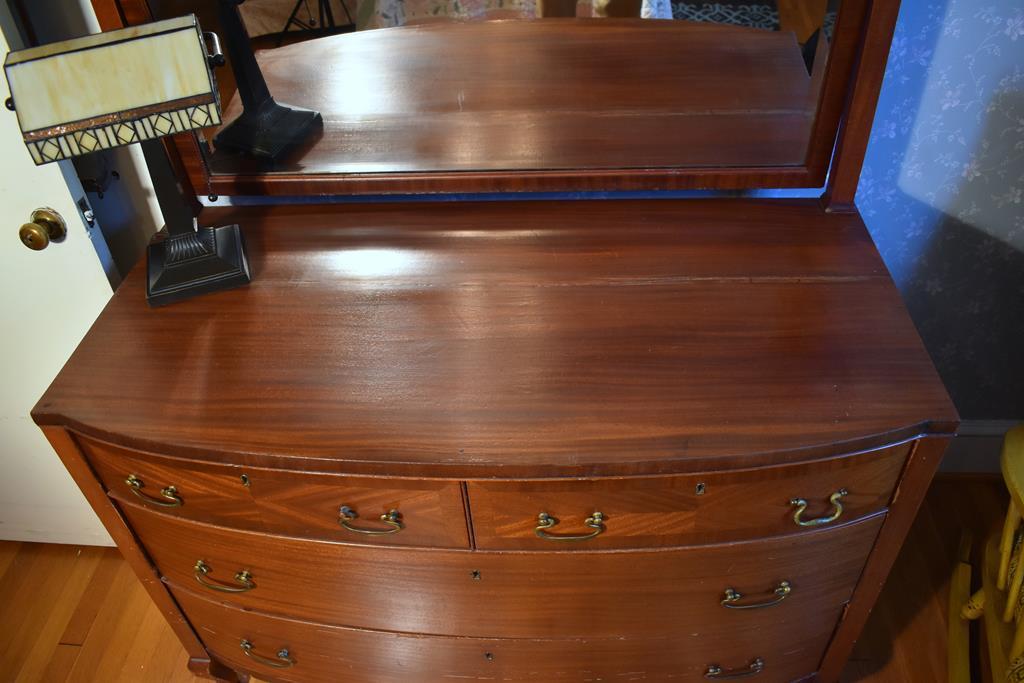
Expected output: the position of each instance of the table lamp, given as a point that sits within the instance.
(134, 85)
(266, 129)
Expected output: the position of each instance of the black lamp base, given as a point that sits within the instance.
(203, 261)
(269, 130)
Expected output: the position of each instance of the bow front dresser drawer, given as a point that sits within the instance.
(366, 510)
(682, 510)
(277, 649)
(711, 589)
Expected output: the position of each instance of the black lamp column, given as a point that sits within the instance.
(266, 128)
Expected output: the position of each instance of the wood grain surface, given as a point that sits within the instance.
(521, 595)
(208, 492)
(517, 339)
(623, 44)
(330, 653)
(307, 505)
(625, 134)
(78, 614)
(856, 57)
(293, 503)
(648, 512)
(541, 95)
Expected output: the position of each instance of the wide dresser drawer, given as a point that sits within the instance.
(278, 649)
(646, 512)
(365, 510)
(498, 594)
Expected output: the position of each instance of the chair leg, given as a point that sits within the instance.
(1006, 544)
(1015, 577)
(958, 648)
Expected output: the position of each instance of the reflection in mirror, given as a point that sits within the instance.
(533, 85)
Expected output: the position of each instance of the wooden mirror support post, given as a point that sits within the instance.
(265, 128)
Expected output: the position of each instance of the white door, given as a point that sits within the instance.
(48, 300)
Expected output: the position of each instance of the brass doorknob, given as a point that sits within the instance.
(46, 226)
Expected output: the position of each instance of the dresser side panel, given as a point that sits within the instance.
(910, 492)
(74, 460)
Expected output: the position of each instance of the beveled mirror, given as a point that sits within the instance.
(536, 95)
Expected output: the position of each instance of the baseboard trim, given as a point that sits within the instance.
(977, 447)
(986, 427)
(22, 534)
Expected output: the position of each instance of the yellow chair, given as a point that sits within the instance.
(1000, 599)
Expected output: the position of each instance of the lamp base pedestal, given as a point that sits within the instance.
(269, 131)
(198, 262)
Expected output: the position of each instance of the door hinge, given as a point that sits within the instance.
(88, 215)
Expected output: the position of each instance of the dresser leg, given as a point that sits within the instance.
(211, 668)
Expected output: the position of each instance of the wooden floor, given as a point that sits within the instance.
(905, 640)
(72, 613)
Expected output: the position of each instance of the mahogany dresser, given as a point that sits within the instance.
(648, 440)
(570, 440)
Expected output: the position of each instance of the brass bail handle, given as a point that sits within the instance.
(717, 673)
(546, 522)
(732, 597)
(243, 579)
(169, 497)
(283, 659)
(45, 226)
(837, 510)
(393, 519)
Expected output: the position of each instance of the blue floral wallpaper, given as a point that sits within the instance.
(942, 192)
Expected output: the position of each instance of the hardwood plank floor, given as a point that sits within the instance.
(70, 613)
(905, 639)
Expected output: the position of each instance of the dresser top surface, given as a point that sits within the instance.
(517, 339)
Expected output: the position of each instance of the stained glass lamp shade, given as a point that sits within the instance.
(111, 89)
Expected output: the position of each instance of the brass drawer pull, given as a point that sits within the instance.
(243, 578)
(837, 510)
(716, 672)
(393, 519)
(169, 493)
(283, 660)
(732, 597)
(546, 521)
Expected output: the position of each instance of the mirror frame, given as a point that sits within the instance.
(838, 140)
